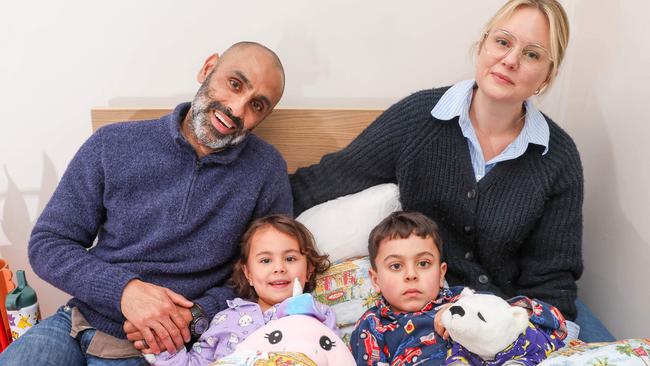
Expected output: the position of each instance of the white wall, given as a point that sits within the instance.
(61, 58)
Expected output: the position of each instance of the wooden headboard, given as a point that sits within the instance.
(302, 136)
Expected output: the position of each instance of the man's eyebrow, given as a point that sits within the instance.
(243, 78)
(248, 84)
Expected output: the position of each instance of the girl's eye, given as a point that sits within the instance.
(265, 260)
(235, 84)
(395, 266)
(424, 264)
(291, 259)
(257, 105)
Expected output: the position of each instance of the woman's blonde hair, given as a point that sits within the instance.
(558, 29)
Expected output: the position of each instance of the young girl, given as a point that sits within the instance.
(274, 251)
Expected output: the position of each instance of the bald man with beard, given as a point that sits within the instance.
(166, 201)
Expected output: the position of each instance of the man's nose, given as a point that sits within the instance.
(238, 107)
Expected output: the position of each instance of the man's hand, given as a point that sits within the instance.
(153, 311)
(134, 335)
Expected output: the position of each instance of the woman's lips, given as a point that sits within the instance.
(502, 78)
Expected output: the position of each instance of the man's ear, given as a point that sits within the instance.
(373, 279)
(207, 67)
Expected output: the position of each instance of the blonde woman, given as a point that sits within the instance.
(502, 180)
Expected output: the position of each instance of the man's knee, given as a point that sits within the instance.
(46, 343)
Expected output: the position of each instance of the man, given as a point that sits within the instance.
(167, 201)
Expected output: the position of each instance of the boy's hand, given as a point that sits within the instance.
(437, 322)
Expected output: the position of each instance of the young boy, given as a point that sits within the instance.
(403, 328)
(407, 268)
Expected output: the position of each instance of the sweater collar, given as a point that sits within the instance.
(222, 157)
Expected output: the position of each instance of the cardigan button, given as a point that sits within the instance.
(483, 279)
(469, 256)
(471, 194)
(467, 229)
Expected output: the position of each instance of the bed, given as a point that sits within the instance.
(303, 136)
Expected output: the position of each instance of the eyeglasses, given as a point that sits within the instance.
(499, 43)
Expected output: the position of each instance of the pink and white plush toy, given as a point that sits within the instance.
(297, 338)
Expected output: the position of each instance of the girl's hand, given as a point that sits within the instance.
(437, 322)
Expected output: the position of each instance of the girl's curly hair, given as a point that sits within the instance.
(316, 263)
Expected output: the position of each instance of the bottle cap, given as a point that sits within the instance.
(22, 296)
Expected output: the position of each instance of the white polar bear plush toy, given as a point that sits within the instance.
(487, 330)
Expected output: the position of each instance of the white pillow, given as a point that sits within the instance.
(341, 226)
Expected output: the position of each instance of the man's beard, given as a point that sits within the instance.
(201, 125)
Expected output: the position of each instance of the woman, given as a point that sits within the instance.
(503, 181)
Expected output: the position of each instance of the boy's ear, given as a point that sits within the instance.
(443, 271)
(373, 279)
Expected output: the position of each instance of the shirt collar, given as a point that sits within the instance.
(455, 102)
(385, 311)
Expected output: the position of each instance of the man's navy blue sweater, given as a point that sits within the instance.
(158, 213)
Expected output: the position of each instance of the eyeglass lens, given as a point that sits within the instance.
(499, 43)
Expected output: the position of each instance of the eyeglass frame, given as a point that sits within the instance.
(485, 35)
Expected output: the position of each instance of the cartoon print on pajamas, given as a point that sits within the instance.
(245, 320)
(233, 341)
(219, 319)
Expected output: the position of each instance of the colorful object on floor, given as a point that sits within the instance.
(22, 307)
(6, 285)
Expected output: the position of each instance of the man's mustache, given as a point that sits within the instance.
(227, 111)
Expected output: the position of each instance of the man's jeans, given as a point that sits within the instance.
(49, 343)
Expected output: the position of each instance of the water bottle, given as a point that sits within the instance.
(22, 307)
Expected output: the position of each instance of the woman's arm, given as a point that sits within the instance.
(551, 258)
(369, 160)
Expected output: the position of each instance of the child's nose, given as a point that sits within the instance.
(411, 274)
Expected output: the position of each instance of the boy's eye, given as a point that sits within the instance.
(424, 264)
(395, 266)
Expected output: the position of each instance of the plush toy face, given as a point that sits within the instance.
(484, 324)
(300, 333)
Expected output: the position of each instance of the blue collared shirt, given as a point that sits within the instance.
(456, 102)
